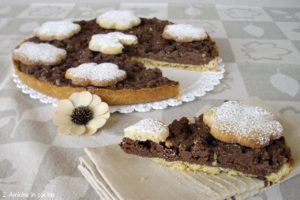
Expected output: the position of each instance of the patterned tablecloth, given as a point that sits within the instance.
(261, 49)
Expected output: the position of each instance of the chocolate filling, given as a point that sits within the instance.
(194, 144)
(150, 45)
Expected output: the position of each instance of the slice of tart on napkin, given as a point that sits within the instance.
(234, 138)
(118, 175)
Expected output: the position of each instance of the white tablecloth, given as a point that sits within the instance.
(259, 44)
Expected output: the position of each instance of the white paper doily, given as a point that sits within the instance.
(192, 85)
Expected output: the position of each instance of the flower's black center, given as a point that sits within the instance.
(81, 115)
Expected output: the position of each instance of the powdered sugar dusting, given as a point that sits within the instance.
(147, 129)
(97, 72)
(118, 19)
(32, 53)
(111, 43)
(184, 33)
(150, 125)
(246, 121)
(56, 30)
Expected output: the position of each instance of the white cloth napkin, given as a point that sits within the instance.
(116, 175)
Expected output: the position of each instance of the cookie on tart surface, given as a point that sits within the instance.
(147, 129)
(30, 53)
(190, 146)
(118, 19)
(56, 30)
(184, 33)
(250, 126)
(111, 43)
(104, 74)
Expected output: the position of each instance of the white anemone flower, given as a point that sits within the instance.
(82, 114)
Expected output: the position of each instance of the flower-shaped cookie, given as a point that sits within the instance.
(147, 129)
(56, 30)
(81, 114)
(30, 53)
(103, 74)
(235, 122)
(118, 19)
(111, 43)
(183, 33)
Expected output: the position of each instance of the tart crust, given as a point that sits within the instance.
(274, 177)
(210, 66)
(112, 97)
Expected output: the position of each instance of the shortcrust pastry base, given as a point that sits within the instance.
(112, 97)
(283, 172)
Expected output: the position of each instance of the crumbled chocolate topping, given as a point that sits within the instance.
(194, 144)
(150, 45)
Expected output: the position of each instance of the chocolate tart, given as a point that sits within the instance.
(141, 84)
(191, 147)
